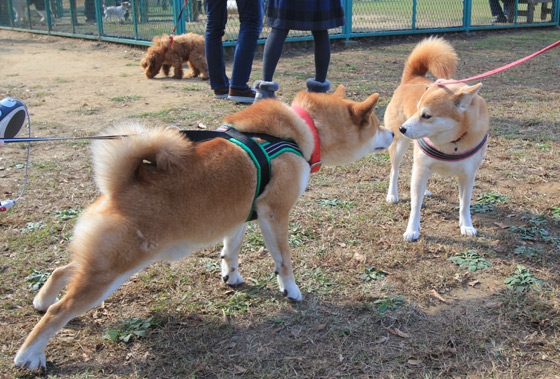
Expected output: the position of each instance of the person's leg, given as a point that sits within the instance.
(250, 18)
(272, 52)
(266, 88)
(216, 11)
(497, 12)
(322, 61)
(495, 7)
(322, 54)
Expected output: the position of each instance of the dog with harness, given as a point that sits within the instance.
(166, 193)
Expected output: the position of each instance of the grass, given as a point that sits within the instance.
(374, 305)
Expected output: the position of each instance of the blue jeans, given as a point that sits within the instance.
(250, 17)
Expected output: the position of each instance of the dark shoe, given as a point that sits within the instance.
(500, 19)
(242, 96)
(319, 87)
(265, 90)
(221, 93)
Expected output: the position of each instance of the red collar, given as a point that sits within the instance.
(170, 43)
(315, 161)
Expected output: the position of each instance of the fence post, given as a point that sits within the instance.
(347, 28)
(467, 9)
(7, 14)
(414, 10)
(180, 23)
(99, 17)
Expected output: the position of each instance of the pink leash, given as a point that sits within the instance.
(503, 68)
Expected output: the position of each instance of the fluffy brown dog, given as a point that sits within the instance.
(164, 196)
(166, 52)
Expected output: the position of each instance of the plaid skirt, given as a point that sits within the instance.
(305, 14)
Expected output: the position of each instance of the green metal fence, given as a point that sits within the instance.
(364, 18)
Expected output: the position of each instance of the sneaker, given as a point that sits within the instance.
(242, 96)
(221, 93)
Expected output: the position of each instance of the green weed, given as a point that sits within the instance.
(471, 260)
(491, 198)
(37, 279)
(372, 273)
(528, 251)
(522, 280)
(68, 214)
(126, 98)
(388, 303)
(129, 328)
(325, 203)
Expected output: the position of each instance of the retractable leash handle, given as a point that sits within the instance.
(6, 204)
(13, 114)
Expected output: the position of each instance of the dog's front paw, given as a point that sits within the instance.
(392, 198)
(468, 231)
(411, 235)
(290, 290)
(30, 360)
(232, 278)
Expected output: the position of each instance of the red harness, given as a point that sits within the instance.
(315, 161)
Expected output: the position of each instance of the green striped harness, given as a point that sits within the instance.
(261, 154)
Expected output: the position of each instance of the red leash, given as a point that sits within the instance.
(175, 26)
(503, 68)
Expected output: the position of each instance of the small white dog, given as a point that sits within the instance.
(119, 11)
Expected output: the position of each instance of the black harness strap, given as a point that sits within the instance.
(261, 155)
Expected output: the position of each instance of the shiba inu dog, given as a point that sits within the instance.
(164, 196)
(449, 122)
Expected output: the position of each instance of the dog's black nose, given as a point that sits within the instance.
(402, 129)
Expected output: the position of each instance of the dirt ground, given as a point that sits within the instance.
(83, 76)
(342, 229)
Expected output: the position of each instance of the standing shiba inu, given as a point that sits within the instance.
(164, 196)
(449, 123)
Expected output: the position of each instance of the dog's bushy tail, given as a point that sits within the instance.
(433, 54)
(121, 162)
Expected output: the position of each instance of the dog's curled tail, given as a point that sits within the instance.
(122, 161)
(432, 54)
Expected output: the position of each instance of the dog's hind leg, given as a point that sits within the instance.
(274, 227)
(397, 150)
(230, 256)
(47, 296)
(194, 72)
(466, 184)
(86, 289)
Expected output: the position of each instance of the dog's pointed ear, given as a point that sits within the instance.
(465, 96)
(364, 109)
(340, 92)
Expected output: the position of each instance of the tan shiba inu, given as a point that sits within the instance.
(449, 123)
(164, 196)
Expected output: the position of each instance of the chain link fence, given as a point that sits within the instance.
(138, 21)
